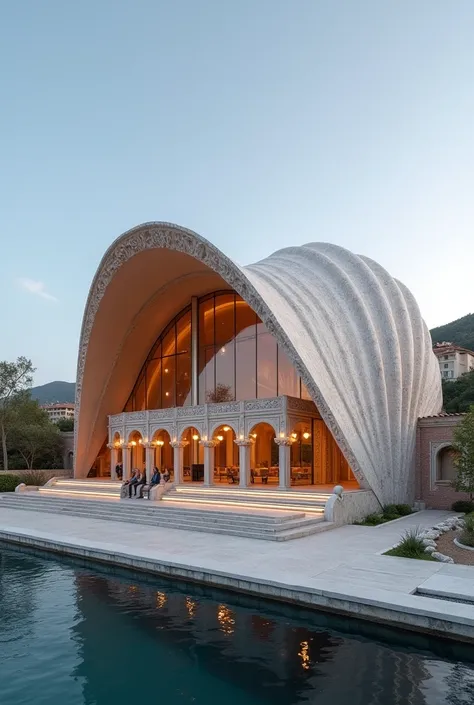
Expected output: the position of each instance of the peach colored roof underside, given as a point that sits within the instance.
(143, 296)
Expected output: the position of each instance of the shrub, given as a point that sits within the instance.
(34, 477)
(390, 509)
(8, 482)
(411, 546)
(404, 509)
(373, 519)
(463, 505)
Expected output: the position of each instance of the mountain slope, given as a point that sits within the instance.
(460, 332)
(54, 392)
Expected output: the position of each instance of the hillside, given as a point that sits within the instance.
(54, 392)
(460, 332)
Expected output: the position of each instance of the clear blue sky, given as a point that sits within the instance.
(257, 123)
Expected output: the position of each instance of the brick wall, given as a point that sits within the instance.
(432, 435)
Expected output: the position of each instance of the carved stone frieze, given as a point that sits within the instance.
(263, 404)
(224, 408)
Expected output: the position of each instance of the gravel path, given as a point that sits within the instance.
(447, 546)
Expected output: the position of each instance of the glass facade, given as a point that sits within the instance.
(237, 359)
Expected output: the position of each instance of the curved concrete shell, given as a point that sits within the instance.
(354, 334)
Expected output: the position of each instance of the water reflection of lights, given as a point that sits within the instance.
(226, 619)
(160, 600)
(304, 655)
(190, 606)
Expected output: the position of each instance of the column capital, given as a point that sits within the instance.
(286, 441)
(126, 446)
(209, 444)
(147, 445)
(244, 442)
(112, 446)
(178, 444)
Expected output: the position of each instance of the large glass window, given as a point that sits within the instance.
(237, 359)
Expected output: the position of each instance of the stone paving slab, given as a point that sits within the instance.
(341, 570)
(453, 587)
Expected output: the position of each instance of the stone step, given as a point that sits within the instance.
(137, 507)
(195, 523)
(205, 522)
(287, 503)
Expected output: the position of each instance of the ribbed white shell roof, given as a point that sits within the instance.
(367, 352)
(354, 333)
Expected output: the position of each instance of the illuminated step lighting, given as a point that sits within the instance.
(276, 507)
(65, 493)
(251, 493)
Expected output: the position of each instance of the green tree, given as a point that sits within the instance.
(32, 434)
(458, 394)
(464, 461)
(15, 378)
(66, 424)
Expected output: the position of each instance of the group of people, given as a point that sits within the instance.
(138, 482)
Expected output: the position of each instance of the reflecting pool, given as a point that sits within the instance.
(73, 633)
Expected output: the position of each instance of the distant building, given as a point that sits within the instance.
(453, 360)
(56, 412)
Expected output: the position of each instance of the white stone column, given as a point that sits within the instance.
(158, 455)
(178, 448)
(149, 460)
(284, 457)
(126, 461)
(244, 460)
(209, 448)
(113, 459)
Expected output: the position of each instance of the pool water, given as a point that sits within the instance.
(73, 633)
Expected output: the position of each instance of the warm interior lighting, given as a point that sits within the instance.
(160, 600)
(133, 443)
(294, 435)
(282, 435)
(167, 394)
(226, 428)
(223, 350)
(166, 370)
(140, 440)
(306, 435)
(241, 436)
(160, 443)
(195, 437)
(220, 438)
(304, 655)
(254, 435)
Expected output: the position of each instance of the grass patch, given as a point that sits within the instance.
(411, 546)
(389, 513)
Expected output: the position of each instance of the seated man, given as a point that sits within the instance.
(155, 480)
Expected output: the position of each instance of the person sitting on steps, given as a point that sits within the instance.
(155, 480)
(140, 484)
(133, 482)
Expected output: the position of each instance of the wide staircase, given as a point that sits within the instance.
(252, 513)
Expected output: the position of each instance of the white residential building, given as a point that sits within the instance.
(453, 360)
(56, 412)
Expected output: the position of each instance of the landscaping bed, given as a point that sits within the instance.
(390, 513)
